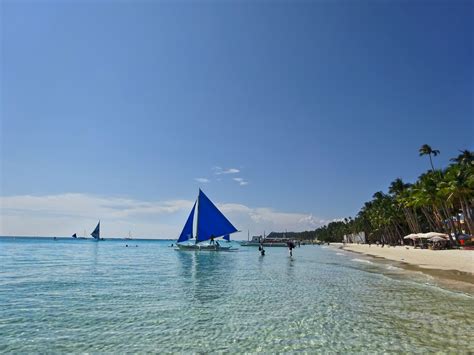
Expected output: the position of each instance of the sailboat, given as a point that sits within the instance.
(210, 225)
(96, 233)
(74, 235)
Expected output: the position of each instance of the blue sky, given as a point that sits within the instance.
(317, 104)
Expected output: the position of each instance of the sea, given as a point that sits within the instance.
(81, 296)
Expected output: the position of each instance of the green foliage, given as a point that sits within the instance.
(433, 203)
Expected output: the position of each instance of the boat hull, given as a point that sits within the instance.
(204, 247)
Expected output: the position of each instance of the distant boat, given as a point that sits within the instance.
(96, 233)
(129, 236)
(210, 225)
(266, 242)
(74, 235)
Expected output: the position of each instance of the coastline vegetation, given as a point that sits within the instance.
(438, 201)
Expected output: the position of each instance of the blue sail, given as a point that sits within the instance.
(227, 237)
(211, 223)
(187, 232)
(96, 233)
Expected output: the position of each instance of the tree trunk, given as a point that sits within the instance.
(412, 221)
(449, 215)
(439, 218)
(431, 162)
(431, 223)
(467, 219)
(409, 222)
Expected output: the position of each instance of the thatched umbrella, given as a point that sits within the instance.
(436, 234)
(411, 236)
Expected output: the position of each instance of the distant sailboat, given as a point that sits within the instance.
(96, 233)
(84, 237)
(210, 224)
(74, 235)
(129, 236)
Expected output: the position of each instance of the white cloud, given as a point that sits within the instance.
(241, 181)
(202, 180)
(219, 171)
(65, 214)
(260, 219)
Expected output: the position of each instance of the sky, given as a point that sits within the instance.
(288, 114)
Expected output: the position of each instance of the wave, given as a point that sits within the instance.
(391, 267)
(362, 261)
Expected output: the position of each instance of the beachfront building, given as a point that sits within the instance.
(358, 238)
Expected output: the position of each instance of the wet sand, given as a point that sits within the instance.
(452, 268)
(447, 272)
(460, 260)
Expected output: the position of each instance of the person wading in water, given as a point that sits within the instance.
(291, 245)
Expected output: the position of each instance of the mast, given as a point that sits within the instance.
(248, 235)
(197, 217)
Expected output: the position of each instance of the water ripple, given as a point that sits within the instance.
(80, 296)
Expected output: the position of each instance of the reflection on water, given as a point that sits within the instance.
(210, 273)
(83, 296)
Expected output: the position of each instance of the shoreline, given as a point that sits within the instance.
(454, 260)
(454, 270)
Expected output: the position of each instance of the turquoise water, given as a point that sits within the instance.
(85, 296)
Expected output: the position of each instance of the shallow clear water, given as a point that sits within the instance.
(85, 296)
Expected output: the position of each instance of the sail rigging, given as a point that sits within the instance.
(207, 222)
(187, 232)
(211, 222)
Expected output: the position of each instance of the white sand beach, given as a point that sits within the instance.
(461, 260)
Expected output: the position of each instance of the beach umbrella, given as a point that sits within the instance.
(435, 234)
(425, 236)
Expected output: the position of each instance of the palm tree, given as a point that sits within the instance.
(457, 189)
(401, 193)
(465, 158)
(427, 150)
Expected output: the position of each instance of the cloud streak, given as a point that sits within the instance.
(220, 171)
(241, 181)
(202, 180)
(65, 214)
